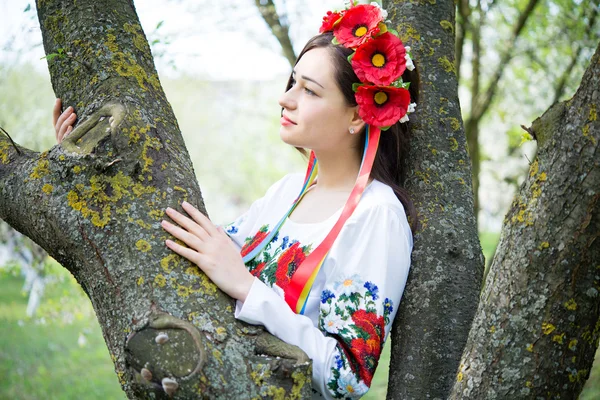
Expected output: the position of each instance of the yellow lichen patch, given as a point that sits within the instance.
(126, 65)
(156, 214)
(542, 177)
(533, 169)
(138, 40)
(169, 262)
(40, 170)
(300, 379)
(423, 176)
(407, 32)
(77, 169)
(195, 271)
(571, 305)
(459, 377)
(141, 223)
(543, 245)
(183, 291)
(447, 25)
(47, 188)
(530, 347)
(453, 143)
(558, 338)
(140, 281)
(447, 64)
(492, 329)
(208, 285)
(160, 280)
(593, 115)
(436, 42)
(573, 345)
(441, 111)
(149, 143)
(578, 376)
(143, 246)
(547, 328)
(454, 124)
(62, 157)
(586, 133)
(111, 43)
(461, 181)
(217, 355)
(4, 146)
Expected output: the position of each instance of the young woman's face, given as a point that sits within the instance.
(316, 106)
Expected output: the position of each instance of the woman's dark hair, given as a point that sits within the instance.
(389, 166)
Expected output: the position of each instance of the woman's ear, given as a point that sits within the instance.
(356, 122)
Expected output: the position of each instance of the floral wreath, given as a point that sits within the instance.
(379, 60)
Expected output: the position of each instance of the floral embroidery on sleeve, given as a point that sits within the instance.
(353, 312)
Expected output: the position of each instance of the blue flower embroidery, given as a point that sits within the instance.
(373, 289)
(285, 242)
(388, 306)
(338, 361)
(276, 237)
(326, 295)
(232, 229)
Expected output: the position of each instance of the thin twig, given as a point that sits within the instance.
(9, 138)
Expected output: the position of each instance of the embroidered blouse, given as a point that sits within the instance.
(355, 295)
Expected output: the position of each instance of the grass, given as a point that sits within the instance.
(41, 357)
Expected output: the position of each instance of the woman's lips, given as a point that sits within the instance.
(285, 121)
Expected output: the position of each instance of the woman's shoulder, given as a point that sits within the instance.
(378, 196)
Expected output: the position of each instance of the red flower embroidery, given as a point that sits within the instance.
(287, 263)
(366, 351)
(381, 60)
(358, 24)
(255, 241)
(329, 20)
(382, 105)
(256, 271)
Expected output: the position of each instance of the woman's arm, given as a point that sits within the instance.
(357, 305)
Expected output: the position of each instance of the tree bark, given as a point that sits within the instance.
(441, 295)
(94, 204)
(537, 327)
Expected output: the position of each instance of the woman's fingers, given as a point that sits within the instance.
(200, 218)
(64, 121)
(187, 223)
(186, 237)
(183, 251)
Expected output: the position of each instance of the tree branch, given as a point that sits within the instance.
(483, 103)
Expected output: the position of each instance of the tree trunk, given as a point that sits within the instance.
(94, 204)
(537, 327)
(447, 263)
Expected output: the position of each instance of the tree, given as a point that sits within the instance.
(94, 203)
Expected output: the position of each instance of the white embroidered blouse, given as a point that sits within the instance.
(354, 298)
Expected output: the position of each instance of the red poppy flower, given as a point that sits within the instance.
(358, 24)
(255, 241)
(367, 351)
(329, 20)
(367, 359)
(382, 105)
(381, 60)
(287, 264)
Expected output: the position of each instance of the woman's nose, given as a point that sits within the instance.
(286, 101)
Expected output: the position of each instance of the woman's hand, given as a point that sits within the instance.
(63, 123)
(211, 249)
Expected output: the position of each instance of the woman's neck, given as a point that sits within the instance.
(337, 171)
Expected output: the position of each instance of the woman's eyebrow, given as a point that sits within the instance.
(308, 79)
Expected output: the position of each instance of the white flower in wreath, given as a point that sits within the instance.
(348, 285)
(332, 323)
(350, 386)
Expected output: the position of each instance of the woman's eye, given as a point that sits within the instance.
(293, 82)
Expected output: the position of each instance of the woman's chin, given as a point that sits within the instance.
(287, 137)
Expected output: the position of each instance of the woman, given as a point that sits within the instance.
(350, 238)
